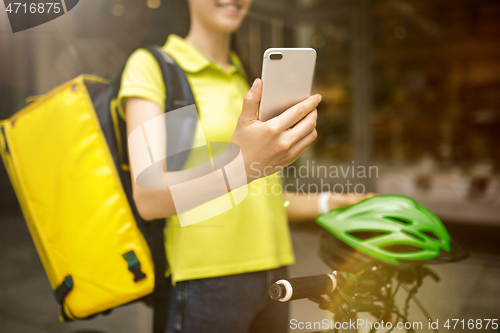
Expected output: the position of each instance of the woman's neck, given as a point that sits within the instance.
(212, 44)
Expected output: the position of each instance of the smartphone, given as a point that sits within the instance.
(287, 75)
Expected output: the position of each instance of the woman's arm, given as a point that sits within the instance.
(304, 207)
(267, 146)
(151, 204)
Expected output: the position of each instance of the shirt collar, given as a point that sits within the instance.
(235, 62)
(191, 60)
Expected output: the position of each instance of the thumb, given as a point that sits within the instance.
(251, 101)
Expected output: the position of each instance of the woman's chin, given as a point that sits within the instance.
(227, 27)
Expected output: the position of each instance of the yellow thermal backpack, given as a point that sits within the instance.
(66, 157)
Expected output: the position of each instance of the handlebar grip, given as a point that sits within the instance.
(303, 287)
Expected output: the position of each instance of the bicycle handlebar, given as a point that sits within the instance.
(303, 287)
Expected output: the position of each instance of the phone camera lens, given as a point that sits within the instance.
(275, 56)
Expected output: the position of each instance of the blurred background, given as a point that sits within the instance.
(411, 90)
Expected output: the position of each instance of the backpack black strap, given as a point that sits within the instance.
(178, 94)
(181, 127)
(178, 90)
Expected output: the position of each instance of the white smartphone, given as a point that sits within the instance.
(287, 76)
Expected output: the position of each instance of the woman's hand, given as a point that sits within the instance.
(269, 146)
(304, 206)
(345, 200)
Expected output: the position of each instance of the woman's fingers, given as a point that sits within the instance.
(351, 199)
(273, 143)
(294, 114)
(303, 128)
(302, 145)
(306, 148)
(299, 138)
(251, 102)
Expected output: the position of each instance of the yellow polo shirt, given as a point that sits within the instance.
(254, 234)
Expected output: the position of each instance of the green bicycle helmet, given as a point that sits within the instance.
(392, 228)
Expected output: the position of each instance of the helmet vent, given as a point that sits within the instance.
(402, 248)
(413, 235)
(398, 220)
(431, 235)
(364, 235)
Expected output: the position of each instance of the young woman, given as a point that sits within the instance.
(221, 268)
